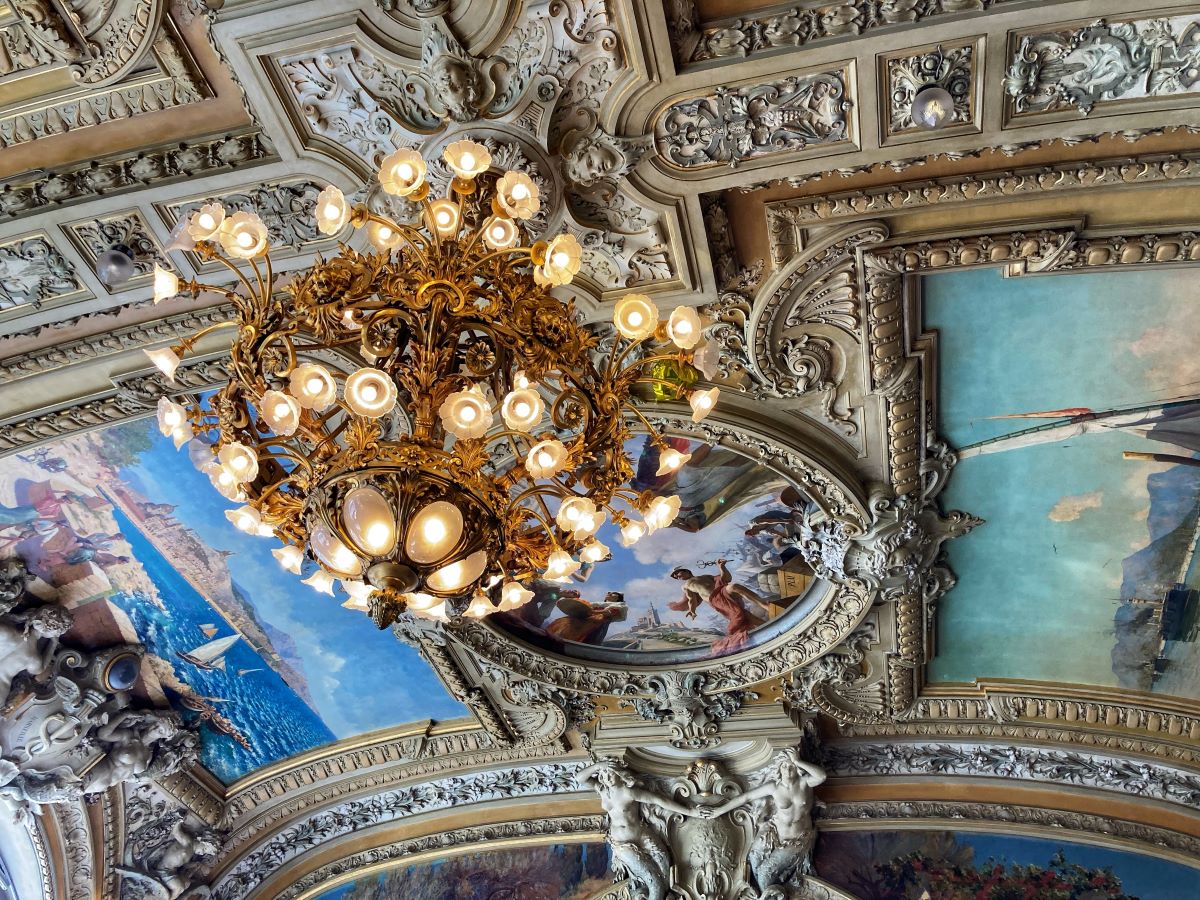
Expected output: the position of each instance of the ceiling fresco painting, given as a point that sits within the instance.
(557, 872)
(1096, 547)
(616, 450)
(963, 865)
(705, 584)
(135, 540)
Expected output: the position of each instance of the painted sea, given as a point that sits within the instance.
(248, 700)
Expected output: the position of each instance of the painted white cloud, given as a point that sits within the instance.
(1173, 361)
(1068, 509)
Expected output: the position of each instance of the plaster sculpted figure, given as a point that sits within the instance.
(592, 157)
(138, 745)
(28, 651)
(172, 856)
(25, 792)
(638, 845)
(784, 833)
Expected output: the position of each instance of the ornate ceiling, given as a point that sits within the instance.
(962, 611)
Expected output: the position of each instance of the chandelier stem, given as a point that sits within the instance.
(235, 270)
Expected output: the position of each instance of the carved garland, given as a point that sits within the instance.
(1037, 764)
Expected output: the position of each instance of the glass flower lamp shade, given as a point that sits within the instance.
(320, 580)
(684, 327)
(166, 284)
(560, 566)
(445, 217)
(370, 392)
(467, 158)
(243, 235)
(631, 533)
(281, 412)
(290, 557)
(564, 255)
(671, 460)
(662, 512)
(703, 402)
(166, 360)
(240, 460)
(594, 552)
(522, 409)
(205, 223)
(575, 511)
(402, 173)
(932, 107)
(313, 386)
(466, 414)
(244, 518)
(635, 316)
(369, 521)
(333, 212)
(434, 532)
(500, 233)
(514, 595)
(383, 237)
(546, 459)
(517, 195)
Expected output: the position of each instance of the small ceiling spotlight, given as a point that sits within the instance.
(115, 266)
(933, 106)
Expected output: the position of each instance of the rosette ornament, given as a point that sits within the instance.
(428, 428)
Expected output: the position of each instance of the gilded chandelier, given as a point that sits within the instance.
(426, 420)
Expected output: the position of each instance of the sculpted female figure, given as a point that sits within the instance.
(29, 651)
(635, 843)
(784, 833)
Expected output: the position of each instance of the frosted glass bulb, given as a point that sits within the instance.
(405, 171)
(369, 520)
(332, 553)
(434, 532)
(245, 239)
(206, 220)
(561, 259)
(468, 160)
(520, 191)
(443, 217)
(932, 106)
(459, 574)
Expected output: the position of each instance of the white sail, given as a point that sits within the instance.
(213, 651)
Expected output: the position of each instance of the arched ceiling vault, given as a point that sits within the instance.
(960, 657)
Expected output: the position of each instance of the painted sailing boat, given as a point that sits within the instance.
(210, 655)
(209, 630)
(243, 672)
(1176, 422)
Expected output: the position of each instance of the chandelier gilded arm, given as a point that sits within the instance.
(426, 420)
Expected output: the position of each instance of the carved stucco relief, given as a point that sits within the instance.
(34, 272)
(787, 218)
(802, 26)
(129, 229)
(733, 125)
(535, 103)
(953, 67)
(1104, 62)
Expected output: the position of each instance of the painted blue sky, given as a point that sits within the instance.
(360, 678)
(1039, 583)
